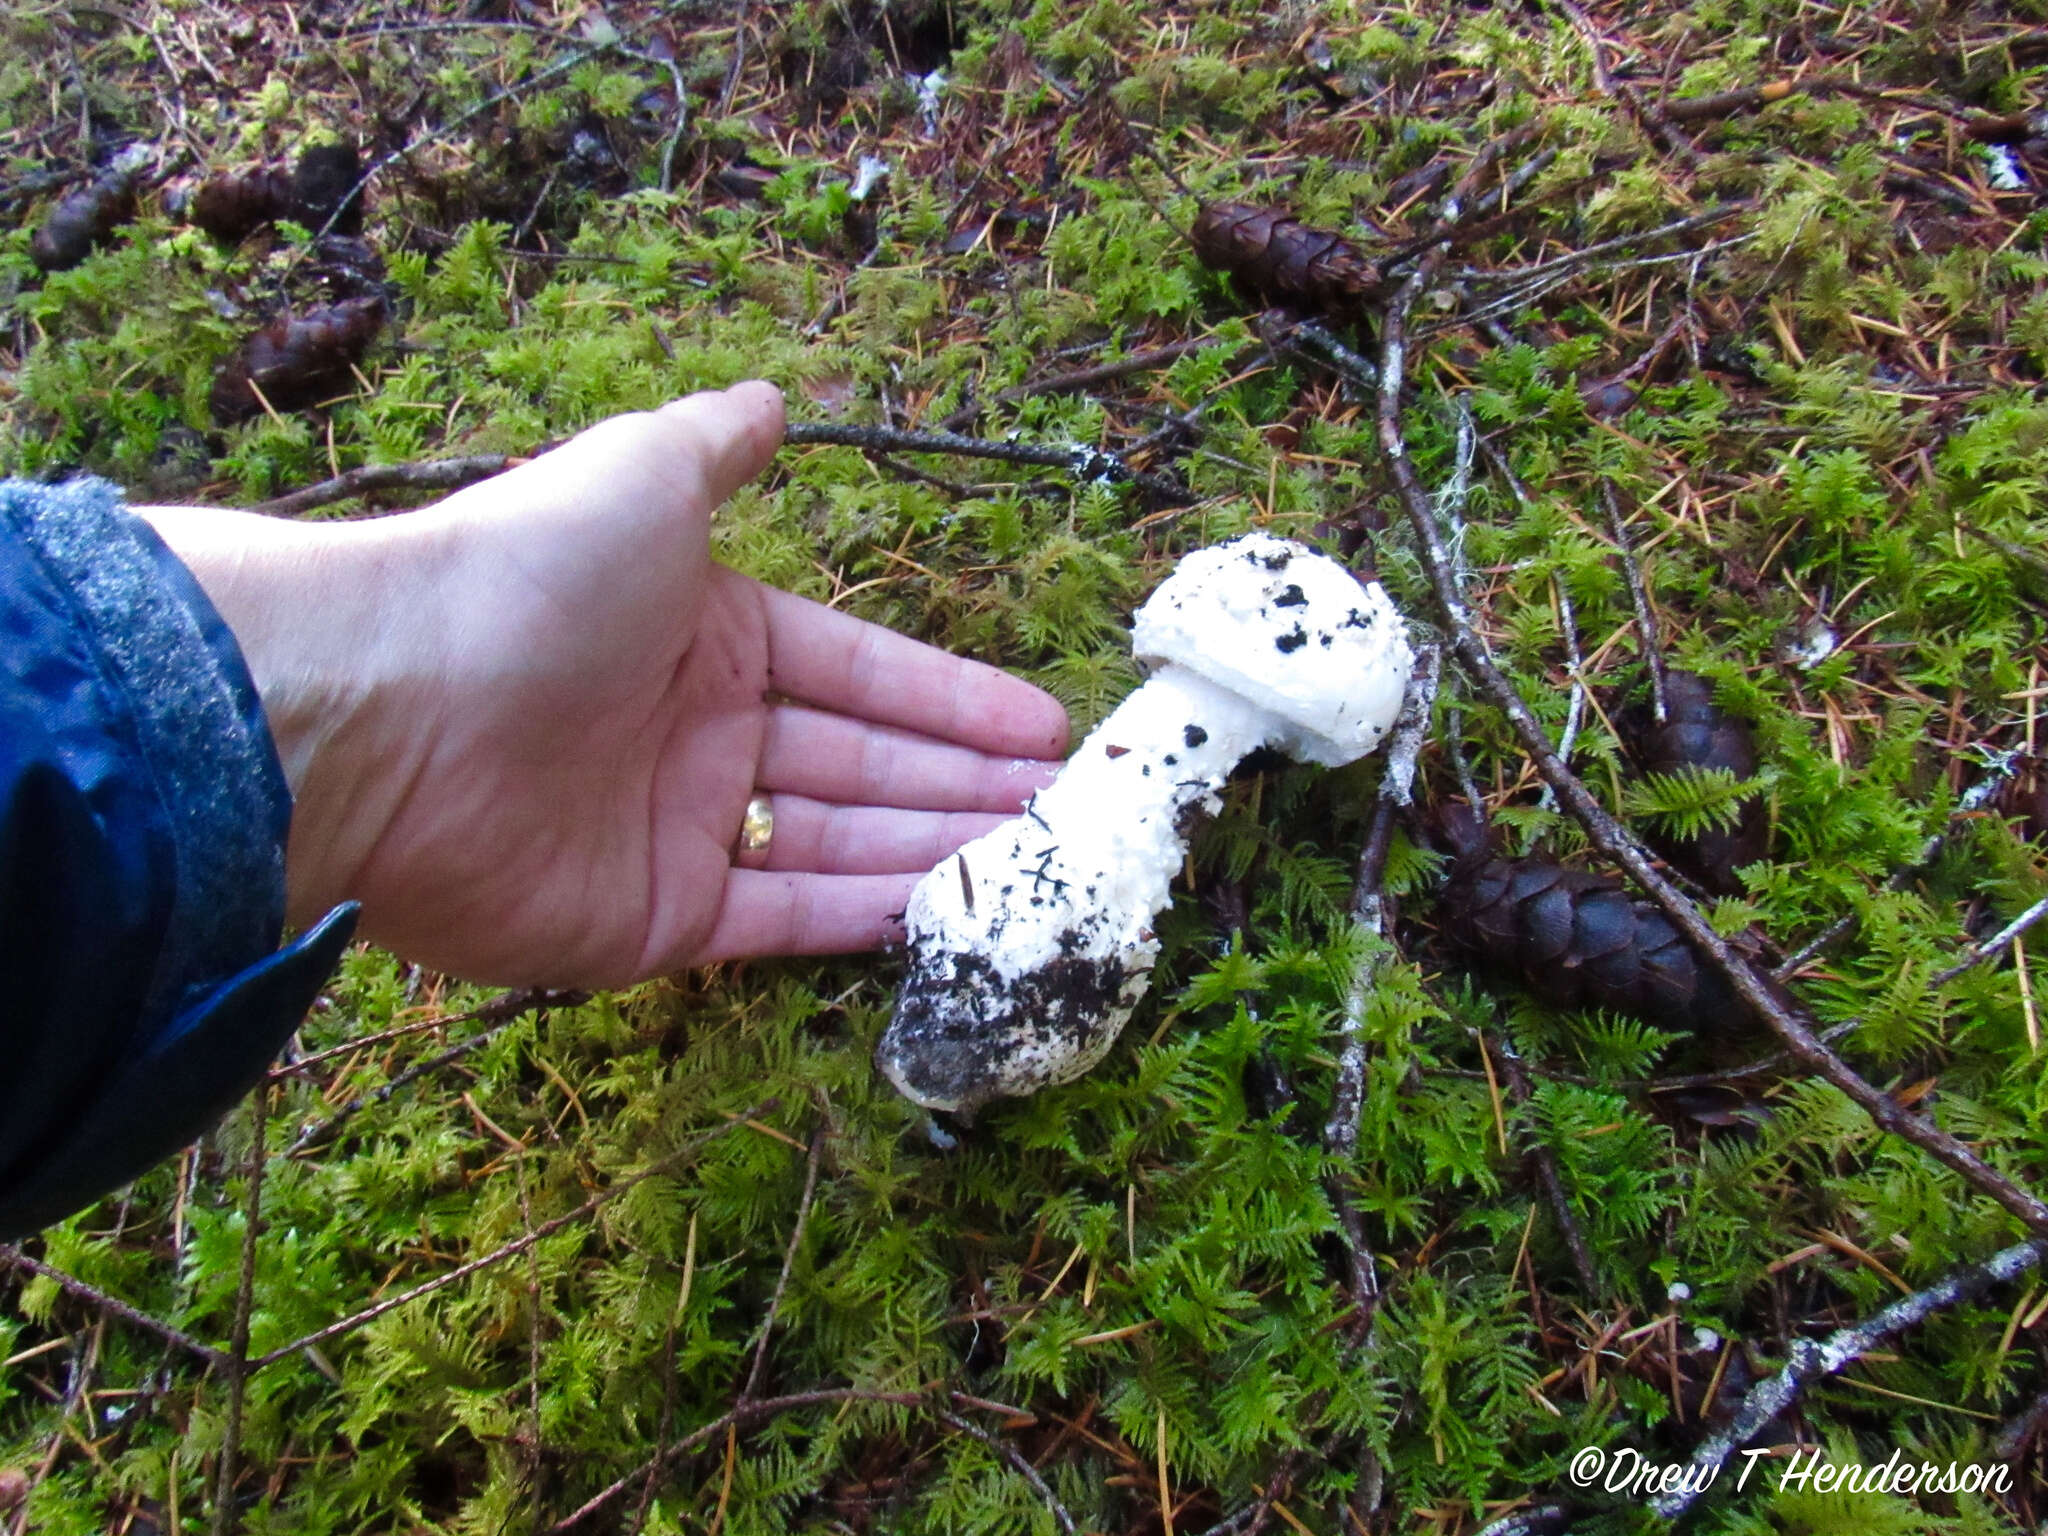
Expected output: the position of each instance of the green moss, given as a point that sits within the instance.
(1154, 1249)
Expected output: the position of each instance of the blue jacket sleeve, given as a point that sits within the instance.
(143, 815)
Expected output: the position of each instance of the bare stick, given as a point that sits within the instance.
(1809, 1362)
(428, 475)
(405, 151)
(509, 1250)
(534, 1451)
(236, 1365)
(1368, 915)
(112, 1306)
(1973, 799)
(2013, 1439)
(1639, 594)
(1080, 378)
(1575, 709)
(1022, 1467)
(1758, 994)
(668, 1377)
(796, 1238)
(1545, 1164)
(1368, 896)
(511, 1006)
(1356, 367)
(1977, 954)
(1082, 462)
(1587, 255)
(1538, 1520)
(500, 1009)
(742, 1413)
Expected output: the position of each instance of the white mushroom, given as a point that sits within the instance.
(1029, 946)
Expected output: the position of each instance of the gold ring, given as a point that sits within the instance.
(757, 826)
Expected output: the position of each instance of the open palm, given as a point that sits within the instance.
(575, 704)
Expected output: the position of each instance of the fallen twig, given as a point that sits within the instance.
(501, 1009)
(746, 1412)
(1997, 944)
(1368, 915)
(1574, 260)
(1082, 462)
(1608, 835)
(1808, 1361)
(1018, 1463)
(751, 1410)
(112, 1306)
(1079, 378)
(796, 1238)
(236, 1365)
(517, 1246)
(429, 475)
(1538, 1520)
(1545, 1164)
(1639, 595)
(1972, 800)
(501, 1012)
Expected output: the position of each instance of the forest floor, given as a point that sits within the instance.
(1643, 344)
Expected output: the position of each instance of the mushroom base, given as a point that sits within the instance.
(964, 1033)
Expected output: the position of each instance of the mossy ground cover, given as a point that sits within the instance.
(1128, 1301)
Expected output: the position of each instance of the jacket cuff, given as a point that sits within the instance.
(143, 730)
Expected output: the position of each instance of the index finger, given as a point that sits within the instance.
(834, 661)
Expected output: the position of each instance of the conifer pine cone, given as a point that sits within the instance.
(297, 360)
(1283, 260)
(82, 220)
(1578, 940)
(1697, 734)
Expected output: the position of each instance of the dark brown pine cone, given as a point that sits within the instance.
(1697, 734)
(1575, 939)
(1283, 261)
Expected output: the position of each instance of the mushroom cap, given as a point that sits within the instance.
(1289, 631)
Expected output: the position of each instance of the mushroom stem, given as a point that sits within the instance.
(1049, 918)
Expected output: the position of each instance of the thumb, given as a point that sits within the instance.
(724, 437)
(622, 489)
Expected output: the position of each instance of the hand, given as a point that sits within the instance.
(522, 726)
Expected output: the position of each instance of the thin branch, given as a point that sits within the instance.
(428, 475)
(1368, 897)
(1575, 707)
(1578, 260)
(1354, 366)
(1082, 462)
(1545, 1164)
(1369, 916)
(512, 1249)
(512, 1006)
(1973, 799)
(1997, 944)
(405, 151)
(236, 1366)
(668, 1376)
(741, 1413)
(1809, 1362)
(1018, 1463)
(796, 1238)
(501, 1009)
(1538, 1520)
(1756, 992)
(1639, 595)
(1078, 379)
(112, 1306)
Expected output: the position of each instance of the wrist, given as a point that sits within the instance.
(323, 614)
